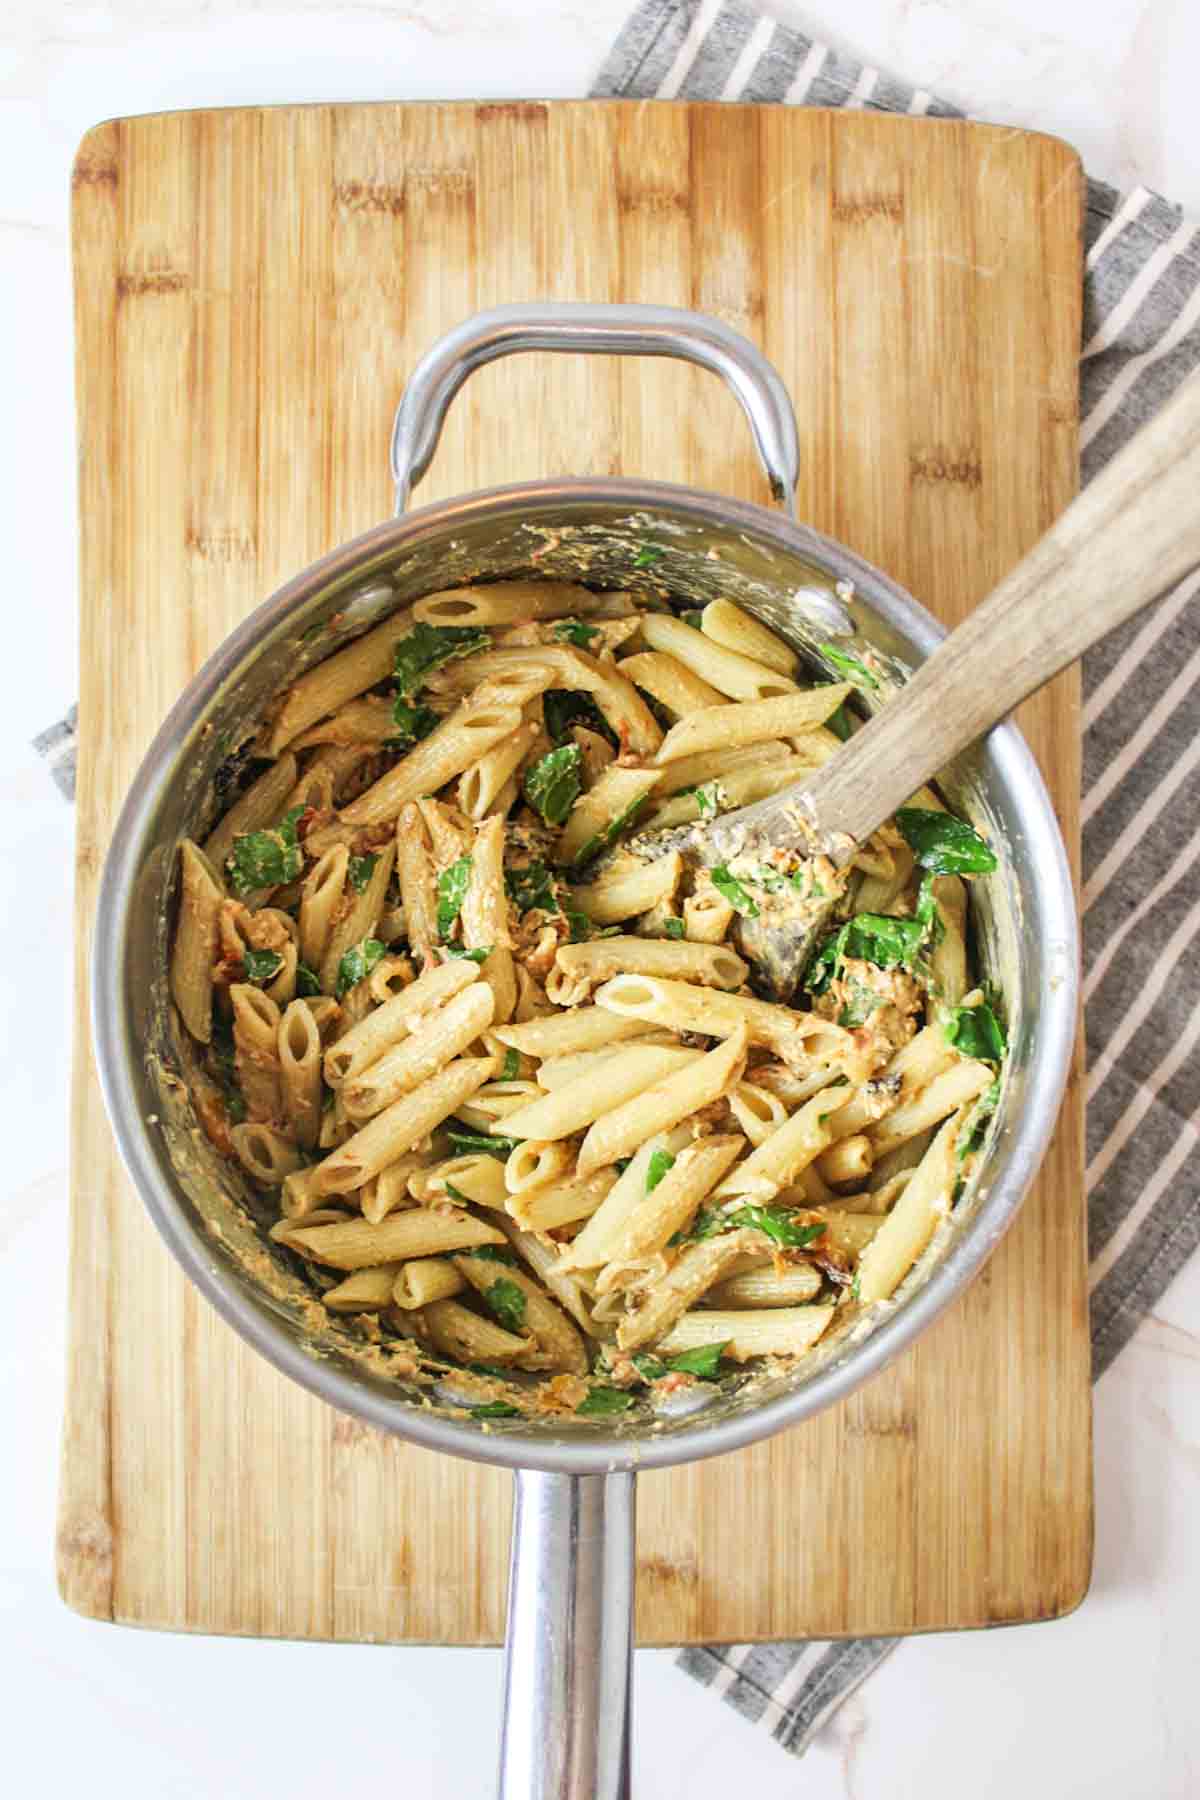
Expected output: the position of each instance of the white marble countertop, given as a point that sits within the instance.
(1101, 1704)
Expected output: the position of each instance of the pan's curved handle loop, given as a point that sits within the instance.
(617, 330)
(565, 1733)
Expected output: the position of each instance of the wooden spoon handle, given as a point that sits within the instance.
(1127, 538)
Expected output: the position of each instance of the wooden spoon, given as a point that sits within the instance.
(1128, 537)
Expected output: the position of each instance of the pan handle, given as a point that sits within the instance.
(617, 330)
(565, 1731)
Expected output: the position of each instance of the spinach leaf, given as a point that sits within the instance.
(732, 890)
(674, 928)
(224, 1057)
(661, 1163)
(427, 647)
(491, 1253)
(563, 708)
(464, 955)
(648, 555)
(452, 885)
(412, 723)
(262, 965)
(694, 619)
(357, 964)
(603, 1400)
(457, 1194)
(839, 723)
(574, 631)
(650, 1368)
(494, 1409)
(266, 858)
(610, 832)
(869, 937)
(553, 782)
(307, 984)
(849, 665)
(506, 1303)
(943, 844)
(703, 1361)
(470, 1143)
(531, 886)
(708, 799)
(775, 1221)
(512, 1065)
(360, 870)
(976, 1031)
(975, 1124)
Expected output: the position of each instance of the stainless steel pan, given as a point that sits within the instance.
(566, 1730)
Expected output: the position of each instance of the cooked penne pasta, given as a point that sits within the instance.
(339, 678)
(731, 673)
(752, 722)
(729, 626)
(358, 1244)
(620, 893)
(786, 1332)
(498, 1062)
(402, 1125)
(195, 945)
(672, 1098)
(421, 1283)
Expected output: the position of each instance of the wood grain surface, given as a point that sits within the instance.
(251, 289)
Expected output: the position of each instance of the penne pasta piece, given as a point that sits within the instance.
(365, 721)
(545, 1261)
(418, 894)
(358, 1244)
(715, 765)
(299, 1045)
(751, 722)
(577, 1104)
(619, 701)
(728, 625)
(420, 1283)
(948, 956)
(388, 1192)
(707, 916)
(453, 746)
(954, 1087)
(598, 816)
(726, 670)
(392, 1022)
(591, 1248)
(507, 603)
(298, 1197)
(480, 787)
(780, 1158)
(360, 921)
(265, 1154)
(339, 678)
(366, 1290)
(927, 1199)
(672, 1099)
(442, 1035)
(402, 1125)
(485, 918)
(391, 976)
(563, 1201)
(757, 1110)
(790, 1285)
(847, 1233)
(464, 1336)
(558, 1343)
(320, 897)
(263, 804)
(562, 1034)
(256, 1050)
(709, 965)
(696, 1269)
(749, 782)
(786, 1332)
(670, 682)
(801, 1039)
(477, 1177)
(194, 949)
(667, 1207)
(849, 1160)
(623, 892)
(531, 1165)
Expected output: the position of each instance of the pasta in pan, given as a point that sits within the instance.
(511, 1077)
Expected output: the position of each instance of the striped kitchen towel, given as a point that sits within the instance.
(1141, 801)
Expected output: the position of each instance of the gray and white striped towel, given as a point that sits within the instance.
(1141, 751)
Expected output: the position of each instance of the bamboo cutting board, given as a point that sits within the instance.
(251, 289)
